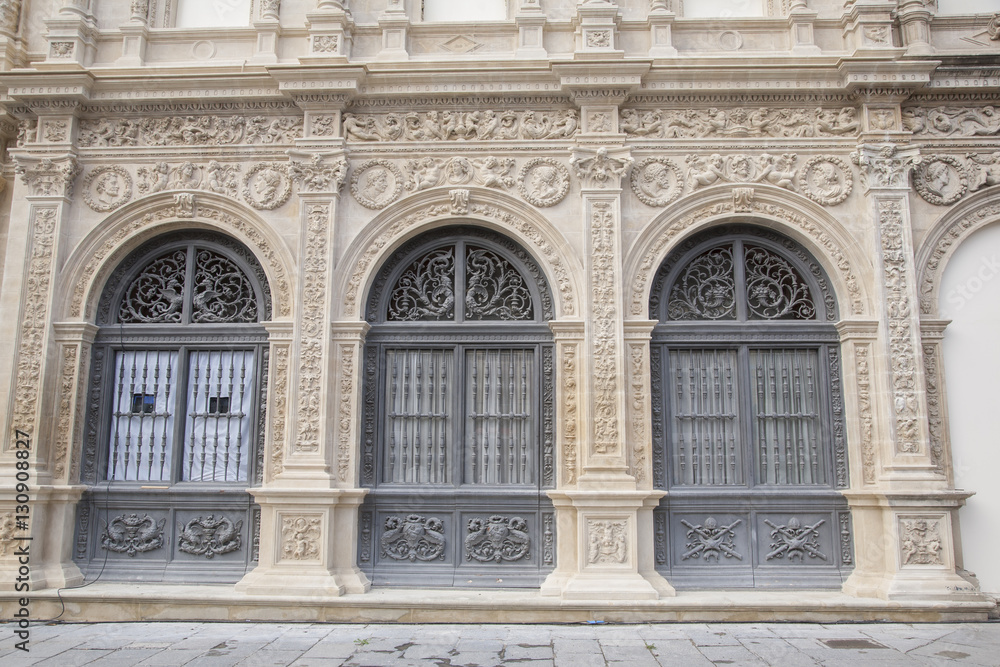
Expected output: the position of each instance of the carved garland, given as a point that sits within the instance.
(605, 345)
(314, 269)
(523, 228)
(649, 264)
(97, 265)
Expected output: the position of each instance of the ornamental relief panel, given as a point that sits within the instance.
(607, 541)
(300, 537)
(462, 125)
(710, 541)
(376, 183)
(107, 188)
(497, 539)
(131, 534)
(943, 180)
(189, 131)
(413, 538)
(952, 121)
(739, 122)
(209, 537)
(920, 541)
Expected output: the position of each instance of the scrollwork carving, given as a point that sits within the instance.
(775, 290)
(604, 351)
(706, 289)
(426, 290)
(739, 122)
(131, 534)
(376, 184)
(156, 295)
(497, 539)
(414, 538)
(222, 292)
(311, 349)
(209, 537)
(495, 290)
(462, 125)
(279, 409)
(570, 412)
(189, 131)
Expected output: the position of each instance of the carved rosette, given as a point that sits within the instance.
(497, 539)
(209, 537)
(267, 186)
(131, 534)
(300, 537)
(376, 184)
(313, 327)
(940, 180)
(920, 541)
(826, 179)
(607, 541)
(319, 174)
(543, 182)
(107, 188)
(657, 181)
(413, 538)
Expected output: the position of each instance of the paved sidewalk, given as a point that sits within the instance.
(192, 644)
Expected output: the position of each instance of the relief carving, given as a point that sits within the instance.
(345, 412)
(739, 122)
(935, 409)
(920, 541)
(827, 180)
(131, 534)
(223, 179)
(607, 541)
(208, 536)
(48, 177)
(313, 330)
(10, 14)
(189, 131)
(740, 168)
(570, 412)
(461, 125)
(657, 181)
(64, 421)
(497, 539)
(279, 409)
(376, 184)
(267, 186)
(8, 533)
(637, 386)
(543, 182)
(710, 540)
(60, 50)
(795, 541)
(318, 174)
(952, 121)
(941, 180)
(55, 131)
(300, 537)
(413, 538)
(600, 169)
(326, 43)
(107, 188)
(605, 342)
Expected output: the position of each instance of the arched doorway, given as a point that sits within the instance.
(174, 414)
(748, 434)
(457, 442)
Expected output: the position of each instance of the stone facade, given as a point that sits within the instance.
(587, 145)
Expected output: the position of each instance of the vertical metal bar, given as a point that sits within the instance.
(393, 415)
(195, 378)
(523, 417)
(128, 428)
(445, 408)
(166, 418)
(116, 440)
(474, 437)
(418, 415)
(405, 411)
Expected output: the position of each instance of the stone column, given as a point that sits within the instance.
(915, 23)
(36, 499)
(268, 27)
(903, 508)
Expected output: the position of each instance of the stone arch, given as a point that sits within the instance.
(93, 260)
(437, 208)
(945, 236)
(810, 225)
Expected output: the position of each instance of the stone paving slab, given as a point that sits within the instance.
(187, 644)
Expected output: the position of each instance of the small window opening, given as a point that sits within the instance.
(218, 405)
(143, 403)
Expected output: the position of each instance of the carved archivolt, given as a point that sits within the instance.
(376, 183)
(739, 122)
(107, 188)
(656, 250)
(462, 125)
(100, 259)
(441, 208)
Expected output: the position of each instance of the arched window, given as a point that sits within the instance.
(174, 431)
(748, 418)
(457, 434)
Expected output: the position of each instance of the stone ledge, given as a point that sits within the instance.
(160, 602)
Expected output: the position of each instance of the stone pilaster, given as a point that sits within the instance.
(596, 23)
(530, 20)
(268, 27)
(395, 25)
(330, 33)
(71, 35)
(915, 25)
(867, 26)
(661, 21)
(135, 35)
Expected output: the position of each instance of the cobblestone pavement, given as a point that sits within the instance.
(689, 644)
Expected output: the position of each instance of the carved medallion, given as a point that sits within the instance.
(795, 541)
(657, 181)
(376, 184)
(543, 181)
(940, 180)
(208, 536)
(131, 534)
(827, 180)
(497, 539)
(413, 538)
(711, 541)
(107, 188)
(267, 186)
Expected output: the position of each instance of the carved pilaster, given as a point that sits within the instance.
(71, 35)
(348, 341)
(638, 434)
(932, 338)
(330, 33)
(660, 21)
(596, 24)
(74, 341)
(280, 335)
(867, 26)
(395, 25)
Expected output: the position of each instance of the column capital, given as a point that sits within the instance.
(885, 166)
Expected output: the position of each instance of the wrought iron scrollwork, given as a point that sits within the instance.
(775, 290)
(222, 292)
(705, 289)
(497, 539)
(494, 290)
(426, 290)
(156, 295)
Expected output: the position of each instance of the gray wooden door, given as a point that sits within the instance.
(457, 442)
(748, 420)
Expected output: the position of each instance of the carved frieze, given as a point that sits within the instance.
(497, 539)
(131, 534)
(794, 541)
(107, 188)
(189, 131)
(657, 181)
(826, 179)
(709, 540)
(209, 537)
(920, 541)
(376, 183)
(413, 538)
(740, 168)
(300, 537)
(952, 121)
(739, 122)
(543, 181)
(462, 125)
(607, 541)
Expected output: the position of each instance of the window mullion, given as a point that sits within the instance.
(740, 279)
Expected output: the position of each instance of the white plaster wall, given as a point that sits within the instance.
(970, 297)
(212, 13)
(968, 6)
(464, 10)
